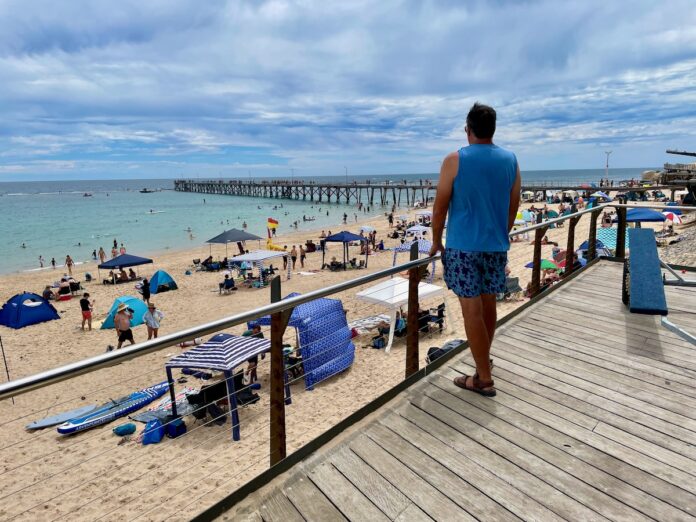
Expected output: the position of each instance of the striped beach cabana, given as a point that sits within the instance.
(222, 352)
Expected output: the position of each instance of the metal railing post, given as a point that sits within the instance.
(570, 246)
(412, 332)
(621, 233)
(536, 267)
(279, 322)
(592, 240)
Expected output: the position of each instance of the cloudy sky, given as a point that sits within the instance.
(174, 87)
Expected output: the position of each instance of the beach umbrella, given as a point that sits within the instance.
(546, 264)
(600, 194)
(232, 235)
(674, 218)
(638, 215)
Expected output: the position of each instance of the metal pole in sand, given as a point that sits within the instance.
(4, 360)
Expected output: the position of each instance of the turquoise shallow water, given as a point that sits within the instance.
(51, 218)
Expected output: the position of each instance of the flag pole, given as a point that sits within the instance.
(4, 359)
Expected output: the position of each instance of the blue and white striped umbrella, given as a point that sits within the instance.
(221, 352)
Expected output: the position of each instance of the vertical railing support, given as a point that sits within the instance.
(621, 233)
(412, 321)
(536, 267)
(570, 246)
(279, 322)
(592, 240)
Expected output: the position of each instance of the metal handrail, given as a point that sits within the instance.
(54, 375)
(106, 360)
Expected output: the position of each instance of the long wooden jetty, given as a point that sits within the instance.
(366, 193)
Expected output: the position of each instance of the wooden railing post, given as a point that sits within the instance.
(621, 233)
(279, 322)
(536, 267)
(570, 246)
(592, 240)
(412, 332)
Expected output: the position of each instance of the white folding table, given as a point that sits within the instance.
(392, 294)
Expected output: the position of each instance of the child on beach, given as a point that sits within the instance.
(86, 306)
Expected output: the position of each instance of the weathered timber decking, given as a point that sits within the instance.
(595, 419)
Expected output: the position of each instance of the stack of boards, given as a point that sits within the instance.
(91, 416)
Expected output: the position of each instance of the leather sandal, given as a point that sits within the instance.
(474, 384)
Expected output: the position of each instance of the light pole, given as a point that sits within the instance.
(606, 168)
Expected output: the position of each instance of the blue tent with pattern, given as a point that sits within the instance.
(26, 309)
(424, 247)
(324, 338)
(161, 281)
(138, 306)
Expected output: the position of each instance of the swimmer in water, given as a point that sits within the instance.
(24, 246)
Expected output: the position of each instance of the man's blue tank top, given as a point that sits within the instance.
(478, 210)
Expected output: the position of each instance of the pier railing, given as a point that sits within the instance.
(280, 311)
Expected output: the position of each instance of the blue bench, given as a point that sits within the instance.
(643, 289)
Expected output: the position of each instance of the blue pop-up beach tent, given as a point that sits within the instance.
(26, 309)
(324, 338)
(139, 308)
(161, 281)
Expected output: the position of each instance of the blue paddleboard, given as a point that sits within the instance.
(114, 409)
(60, 418)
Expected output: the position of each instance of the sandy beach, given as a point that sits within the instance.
(90, 476)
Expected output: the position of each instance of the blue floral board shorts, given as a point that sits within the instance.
(470, 274)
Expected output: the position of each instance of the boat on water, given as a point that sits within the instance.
(87, 195)
(146, 191)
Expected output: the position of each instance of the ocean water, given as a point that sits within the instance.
(53, 219)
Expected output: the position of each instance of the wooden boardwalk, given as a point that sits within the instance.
(595, 419)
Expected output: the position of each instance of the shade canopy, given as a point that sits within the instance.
(344, 237)
(418, 229)
(393, 293)
(124, 261)
(221, 352)
(424, 247)
(260, 255)
(424, 213)
(637, 215)
(232, 235)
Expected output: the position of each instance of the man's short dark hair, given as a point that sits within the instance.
(481, 121)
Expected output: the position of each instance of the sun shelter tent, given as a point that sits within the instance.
(639, 215)
(26, 309)
(424, 215)
(123, 261)
(138, 306)
(346, 238)
(527, 196)
(393, 293)
(424, 247)
(257, 258)
(161, 281)
(418, 230)
(233, 235)
(222, 352)
(324, 338)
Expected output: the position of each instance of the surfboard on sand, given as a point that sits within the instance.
(114, 409)
(60, 418)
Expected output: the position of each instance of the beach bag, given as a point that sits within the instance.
(378, 342)
(436, 352)
(175, 428)
(124, 429)
(154, 431)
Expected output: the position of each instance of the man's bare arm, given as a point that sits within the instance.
(514, 199)
(448, 171)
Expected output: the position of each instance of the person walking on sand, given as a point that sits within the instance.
(102, 255)
(53, 263)
(69, 263)
(146, 290)
(122, 321)
(41, 261)
(86, 306)
(479, 188)
(303, 256)
(293, 256)
(152, 319)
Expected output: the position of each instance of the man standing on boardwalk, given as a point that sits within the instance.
(480, 189)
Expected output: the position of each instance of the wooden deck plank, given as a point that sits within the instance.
(513, 499)
(379, 490)
(653, 477)
(310, 501)
(595, 419)
(599, 408)
(277, 508)
(429, 499)
(344, 495)
(451, 484)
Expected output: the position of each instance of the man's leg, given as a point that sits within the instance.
(490, 315)
(477, 334)
(89, 323)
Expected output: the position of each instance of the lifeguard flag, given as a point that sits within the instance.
(272, 223)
